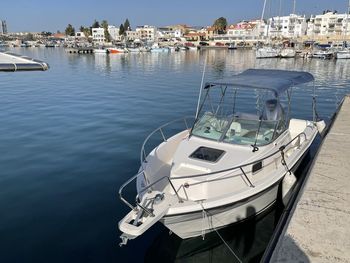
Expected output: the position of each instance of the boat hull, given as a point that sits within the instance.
(198, 223)
(266, 53)
(343, 55)
(116, 50)
(287, 53)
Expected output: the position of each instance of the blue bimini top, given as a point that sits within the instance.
(277, 81)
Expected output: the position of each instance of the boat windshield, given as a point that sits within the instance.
(240, 116)
(238, 129)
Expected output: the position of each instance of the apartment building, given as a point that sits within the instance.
(147, 33)
(328, 24)
(98, 35)
(291, 26)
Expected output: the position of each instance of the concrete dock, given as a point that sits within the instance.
(318, 228)
(80, 50)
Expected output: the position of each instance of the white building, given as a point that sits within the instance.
(114, 32)
(98, 35)
(287, 26)
(328, 24)
(132, 35)
(147, 33)
(79, 35)
(244, 29)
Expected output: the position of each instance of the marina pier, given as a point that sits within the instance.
(80, 50)
(317, 229)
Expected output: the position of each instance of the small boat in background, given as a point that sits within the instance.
(232, 46)
(267, 52)
(288, 53)
(157, 49)
(343, 53)
(100, 51)
(322, 53)
(115, 50)
(145, 49)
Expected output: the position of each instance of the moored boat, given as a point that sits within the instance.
(343, 54)
(323, 54)
(288, 53)
(116, 50)
(100, 51)
(267, 52)
(229, 165)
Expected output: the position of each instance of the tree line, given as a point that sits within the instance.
(70, 30)
(219, 25)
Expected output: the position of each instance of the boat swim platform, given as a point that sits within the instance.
(318, 226)
(14, 62)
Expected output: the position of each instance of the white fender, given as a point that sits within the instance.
(321, 125)
(288, 181)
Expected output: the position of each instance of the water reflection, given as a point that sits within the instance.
(76, 131)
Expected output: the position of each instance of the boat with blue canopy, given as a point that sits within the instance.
(228, 162)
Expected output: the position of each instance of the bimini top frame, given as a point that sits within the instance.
(277, 81)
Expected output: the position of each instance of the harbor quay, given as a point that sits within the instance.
(317, 229)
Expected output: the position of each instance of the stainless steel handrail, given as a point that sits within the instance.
(243, 165)
(280, 150)
(143, 153)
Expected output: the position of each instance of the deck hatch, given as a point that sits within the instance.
(207, 154)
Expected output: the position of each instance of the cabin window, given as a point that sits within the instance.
(207, 154)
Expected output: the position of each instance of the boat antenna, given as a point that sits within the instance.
(201, 87)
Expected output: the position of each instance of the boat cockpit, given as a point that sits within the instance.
(229, 125)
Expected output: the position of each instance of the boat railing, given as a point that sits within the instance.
(280, 150)
(144, 190)
(239, 167)
(160, 129)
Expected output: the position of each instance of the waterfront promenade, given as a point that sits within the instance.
(318, 228)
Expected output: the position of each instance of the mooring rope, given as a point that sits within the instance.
(283, 160)
(217, 232)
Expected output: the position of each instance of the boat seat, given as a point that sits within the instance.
(273, 110)
(235, 128)
(246, 116)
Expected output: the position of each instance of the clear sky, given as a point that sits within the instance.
(39, 15)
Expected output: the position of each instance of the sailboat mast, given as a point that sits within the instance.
(262, 17)
(294, 4)
(263, 11)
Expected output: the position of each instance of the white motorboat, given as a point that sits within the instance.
(343, 54)
(100, 51)
(266, 52)
(229, 165)
(157, 49)
(133, 50)
(323, 54)
(288, 53)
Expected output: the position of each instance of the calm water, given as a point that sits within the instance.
(71, 136)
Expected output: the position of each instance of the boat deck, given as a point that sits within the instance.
(14, 62)
(318, 227)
